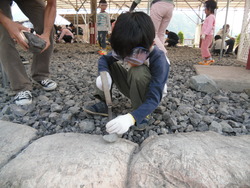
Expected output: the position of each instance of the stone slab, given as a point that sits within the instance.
(13, 137)
(70, 160)
(230, 78)
(197, 159)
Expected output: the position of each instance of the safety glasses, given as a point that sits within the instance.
(137, 57)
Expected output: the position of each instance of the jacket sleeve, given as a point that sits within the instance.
(208, 25)
(159, 69)
(105, 61)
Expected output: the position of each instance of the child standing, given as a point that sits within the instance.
(144, 83)
(103, 26)
(207, 32)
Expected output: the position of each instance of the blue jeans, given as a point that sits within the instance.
(102, 38)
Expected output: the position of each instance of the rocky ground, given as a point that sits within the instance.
(74, 67)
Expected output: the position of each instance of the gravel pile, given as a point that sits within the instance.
(74, 67)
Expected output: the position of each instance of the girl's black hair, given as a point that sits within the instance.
(211, 5)
(132, 30)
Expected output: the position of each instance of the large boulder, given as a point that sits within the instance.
(13, 138)
(69, 160)
(192, 160)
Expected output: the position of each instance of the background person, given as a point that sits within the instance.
(103, 26)
(230, 42)
(207, 32)
(215, 49)
(161, 13)
(172, 39)
(42, 17)
(65, 34)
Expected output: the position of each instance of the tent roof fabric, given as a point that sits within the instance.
(120, 4)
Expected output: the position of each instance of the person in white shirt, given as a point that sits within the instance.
(230, 42)
(66, 35)
(215, 49)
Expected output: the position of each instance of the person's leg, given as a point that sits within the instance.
(230, 44)
(138, 80)
(103, 39)
(67, 38)
(205, 53)
(34, 10)
(161, 14)
(10, 58)
(171, 42)
(99, 38)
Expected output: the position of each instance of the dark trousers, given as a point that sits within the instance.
(230, 44)
(67, 38)
(172, 42)
(218, 51)
(132, 83)
(102, 38)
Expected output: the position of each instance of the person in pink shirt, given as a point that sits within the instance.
(66, 35)
(207, 32)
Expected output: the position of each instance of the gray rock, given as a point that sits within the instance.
(195, 119)
(87, 126)
(56, 108)
(13, 138)
(70, 160)
(216, 127)
(203, 83)
(17, 110)
(189, 128)
(226, 127)
(54, 116)
(191, 160)
(220, 98)
(111, 138)
(36, 44)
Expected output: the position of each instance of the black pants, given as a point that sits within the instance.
(218, 51)
(172, 42)
(67, 38)
(230, 44)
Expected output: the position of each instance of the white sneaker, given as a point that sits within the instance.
(23, 98)
(48, 84)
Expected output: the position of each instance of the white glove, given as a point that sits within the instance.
(99, 81)
(203, 36)
(120, 124)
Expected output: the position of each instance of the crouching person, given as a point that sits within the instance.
(144, 82)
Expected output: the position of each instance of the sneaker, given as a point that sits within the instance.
(102, 52)
(23, 98)
(206, 62)
(99, 109)
(48, 84)
(24, 61)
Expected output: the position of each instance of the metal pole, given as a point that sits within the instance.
(148, 7)
(224, 30)
(77, 33)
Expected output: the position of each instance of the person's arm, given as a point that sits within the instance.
(49, 19)
(134, 4)
(14, 29)
(159, 68)
(108, 23)
(105, 61)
